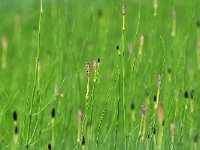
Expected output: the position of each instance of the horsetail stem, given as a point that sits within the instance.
(53, 113)
(88, 79)
(123, 64)
(79, 118)
(155, 6)
(160, 113)
(158, 91)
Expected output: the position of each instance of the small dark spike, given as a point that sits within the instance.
(154, 98)
(148, 135)
(186, 94)
(16, 129)
(117, 47)
(98, 60)
(53, 112)
(196, 137)
(83, 140)
(163, 123)
(169, 70)
(14, 115)
(132, 106)
(154, 130)
(99, 13)
(198, 23)
(192, 94)
(49, 146)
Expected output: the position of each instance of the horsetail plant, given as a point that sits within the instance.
(198, 43)
(79, 118)
(132, 112)
(15, 136)
(49, 146)
(195, 139)
(172, 134)
(4, 43)
(53, 113)
(83, 142)
(155, 7)
(158, 90)
(123, 63)
(173, 34)
(160, 113)
(95, 70)
(169, 74)
(141, 45)
(143, 122)
(187, 99)
(88, 79)
(192, 101)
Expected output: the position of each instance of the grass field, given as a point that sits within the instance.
(99, 74)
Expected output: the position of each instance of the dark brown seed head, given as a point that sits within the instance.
(14, 115)
(123, 9)
(198, 23)
(16, 129)
(53, 112)
(192, 94)
(98, 60)
(132, 106)
(154, 130)
(186, 94)
(49, 146)
(117, 47)
(83, 140)
(99, 13)
(154, 98)
(169, 70)
(196, 137)
(163, 122)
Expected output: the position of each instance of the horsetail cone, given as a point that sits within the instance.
(123, 16)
